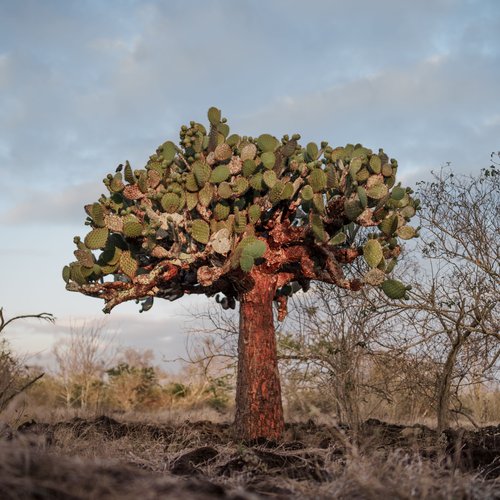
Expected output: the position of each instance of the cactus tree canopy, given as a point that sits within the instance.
(244, 219)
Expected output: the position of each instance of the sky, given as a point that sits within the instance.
(86, 85)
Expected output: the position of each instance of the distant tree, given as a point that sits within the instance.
(453, 315)
(133, 380)
(458, 299)
(82, 359)
(250, 220)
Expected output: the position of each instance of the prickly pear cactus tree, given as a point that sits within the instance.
(248, 220)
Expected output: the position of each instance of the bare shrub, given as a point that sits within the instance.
(15, 378)
(82, 360)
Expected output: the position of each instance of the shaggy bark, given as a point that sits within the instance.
(259, 411)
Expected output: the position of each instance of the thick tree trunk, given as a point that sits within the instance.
(259, 411)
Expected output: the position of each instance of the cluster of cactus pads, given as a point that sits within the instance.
(208, 201)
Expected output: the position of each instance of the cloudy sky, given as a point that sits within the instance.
(85, 85)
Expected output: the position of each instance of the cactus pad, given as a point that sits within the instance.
(220, 174)
(97, 238)
(394, 289)
(195, 200)
(200, 231)
(372, 252)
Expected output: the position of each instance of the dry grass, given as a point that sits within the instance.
(124, 458)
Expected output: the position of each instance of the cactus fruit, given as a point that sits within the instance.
(372, 252)
(220, 174)
(394, 289)
(200, 231)
(97, 238)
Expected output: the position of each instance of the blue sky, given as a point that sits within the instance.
(85, 85)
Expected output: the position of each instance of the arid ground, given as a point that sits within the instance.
(106, 457)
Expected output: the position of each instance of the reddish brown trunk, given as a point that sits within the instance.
(259, 412)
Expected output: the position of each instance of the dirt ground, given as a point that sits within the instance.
(106, 458)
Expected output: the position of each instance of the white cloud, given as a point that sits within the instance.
(56, 207)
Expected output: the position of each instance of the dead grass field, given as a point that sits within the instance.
(126, 458)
